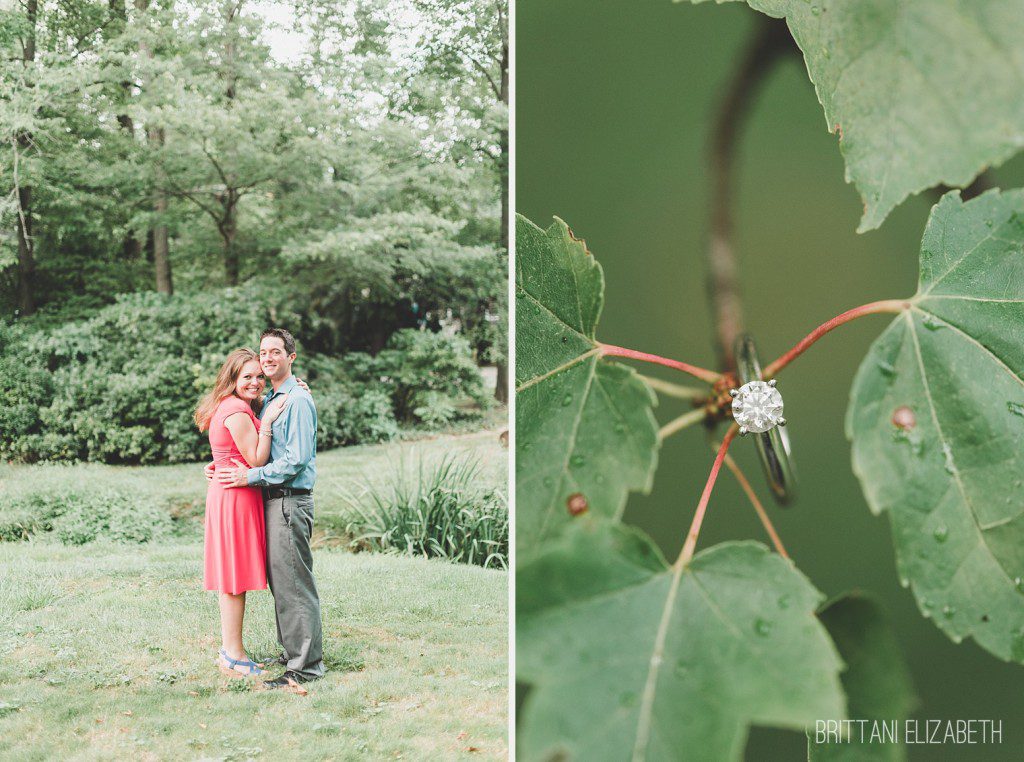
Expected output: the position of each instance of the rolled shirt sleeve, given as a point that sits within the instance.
(299, 445)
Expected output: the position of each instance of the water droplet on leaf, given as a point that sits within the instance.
(886, 369)
(577, 460)
(762, 627)
(948, 611)
(566, 400)
(940, 534)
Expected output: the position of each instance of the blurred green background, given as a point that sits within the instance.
(613, 113)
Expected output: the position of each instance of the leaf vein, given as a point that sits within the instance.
(952, 461)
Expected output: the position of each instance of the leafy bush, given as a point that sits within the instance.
(349, 411)
(112, 516)
(120, 386)
(347, 418)
(77, 518)
(428, 376)
(442, 512)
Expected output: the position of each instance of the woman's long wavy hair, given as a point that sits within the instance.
(224, 387)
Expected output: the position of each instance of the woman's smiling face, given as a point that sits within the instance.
(250, 382)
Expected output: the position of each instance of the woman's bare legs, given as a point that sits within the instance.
(232, 611)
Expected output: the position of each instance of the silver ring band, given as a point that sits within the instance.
(773, 445)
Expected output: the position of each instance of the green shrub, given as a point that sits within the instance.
(430, 376)
(77, 518)
(441, 512)
(111, 516)
(30, 513)
(120, 386)
(346, 418)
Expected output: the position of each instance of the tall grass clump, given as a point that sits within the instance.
(448, 510)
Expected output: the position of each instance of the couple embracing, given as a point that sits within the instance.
(259, 506)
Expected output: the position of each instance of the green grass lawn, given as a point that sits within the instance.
(107, 651)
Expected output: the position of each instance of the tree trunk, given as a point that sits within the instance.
(229, 198)
(157, 235)
(26, 253)
(131, 247)
(501, 388)
(346, 314)
(503, 156)
(26, 245)
(229, 231)
(161, 247)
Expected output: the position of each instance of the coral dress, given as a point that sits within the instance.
(236, 543)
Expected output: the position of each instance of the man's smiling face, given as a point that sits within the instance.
(275, 362)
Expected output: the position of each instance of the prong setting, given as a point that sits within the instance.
(757, 406)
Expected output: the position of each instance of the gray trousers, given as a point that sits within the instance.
(289, 522)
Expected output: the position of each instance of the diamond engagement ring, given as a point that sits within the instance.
(757, 409)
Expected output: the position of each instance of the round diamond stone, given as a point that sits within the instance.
(757, 407)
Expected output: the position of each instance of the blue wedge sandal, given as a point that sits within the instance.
(252, 669)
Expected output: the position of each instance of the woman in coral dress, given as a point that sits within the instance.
(235, 550)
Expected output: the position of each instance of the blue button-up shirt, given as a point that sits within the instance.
(293, 447)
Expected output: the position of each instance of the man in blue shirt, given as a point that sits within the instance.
(287, 482)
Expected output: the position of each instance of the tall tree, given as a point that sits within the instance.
(26, 244)
(155, 137)
(465, 42)
(234, 123)
(116, 28)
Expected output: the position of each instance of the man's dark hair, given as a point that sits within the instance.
(283, 335)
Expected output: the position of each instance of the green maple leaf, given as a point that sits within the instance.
(584, 425)
(937, 423)
(631, 658)
(921, 92)
(876, 680)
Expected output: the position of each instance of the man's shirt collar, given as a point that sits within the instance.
(289, 384)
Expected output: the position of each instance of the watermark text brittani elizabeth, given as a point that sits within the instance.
(909, 731)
